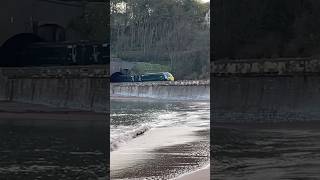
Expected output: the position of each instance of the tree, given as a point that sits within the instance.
(266, 28)
(165, 32)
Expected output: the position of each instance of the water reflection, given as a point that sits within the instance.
(266, 151)
(53, 150)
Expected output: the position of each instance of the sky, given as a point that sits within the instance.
(205, 0)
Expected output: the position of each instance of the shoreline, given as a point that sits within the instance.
(176, 144)
(153, 148)
(202, 173)
(19, 112)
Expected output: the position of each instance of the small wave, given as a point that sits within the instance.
(124, 137)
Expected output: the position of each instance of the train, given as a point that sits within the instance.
(123, 77)
(30, 50)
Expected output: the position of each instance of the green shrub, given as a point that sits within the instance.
(143, 67)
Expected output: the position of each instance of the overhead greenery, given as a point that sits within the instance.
(266, 28)
(167, 32)
(93, 24)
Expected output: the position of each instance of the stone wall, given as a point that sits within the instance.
(78, 87)
(177, 90)
(283, 66)
(266, 90)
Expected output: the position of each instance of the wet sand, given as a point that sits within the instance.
(175, 138)
(202, 174)
(163, 153)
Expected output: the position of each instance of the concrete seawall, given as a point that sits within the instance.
(279, 90)
(258, 67)
(178, 90)
(77, 87)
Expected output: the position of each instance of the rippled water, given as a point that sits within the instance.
(68, 150)
(266, 151)
(152, 139)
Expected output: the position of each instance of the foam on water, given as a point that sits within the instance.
(121, 134)
(125, 134)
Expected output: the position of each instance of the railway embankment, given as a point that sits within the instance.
(75, 87)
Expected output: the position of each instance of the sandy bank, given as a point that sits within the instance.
(24, 111)
(202, 174)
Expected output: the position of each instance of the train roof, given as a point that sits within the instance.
(68, 43)
(156, 73)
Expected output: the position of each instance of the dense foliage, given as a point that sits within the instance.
(266, 28)
(93, 24)
(168, 32)
(142, 68)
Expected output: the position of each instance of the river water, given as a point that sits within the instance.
(41, 149)
(157, 139)
(266, 151)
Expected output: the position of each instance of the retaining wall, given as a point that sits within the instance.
(78, 87)
(177, 90)
(266, 90)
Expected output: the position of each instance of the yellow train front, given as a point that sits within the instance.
(162, 76)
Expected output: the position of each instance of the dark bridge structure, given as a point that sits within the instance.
(266, 90)
(43, 60)
(40, 32)
(49, 19)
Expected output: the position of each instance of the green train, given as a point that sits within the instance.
(161, 76)
(30, 50)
